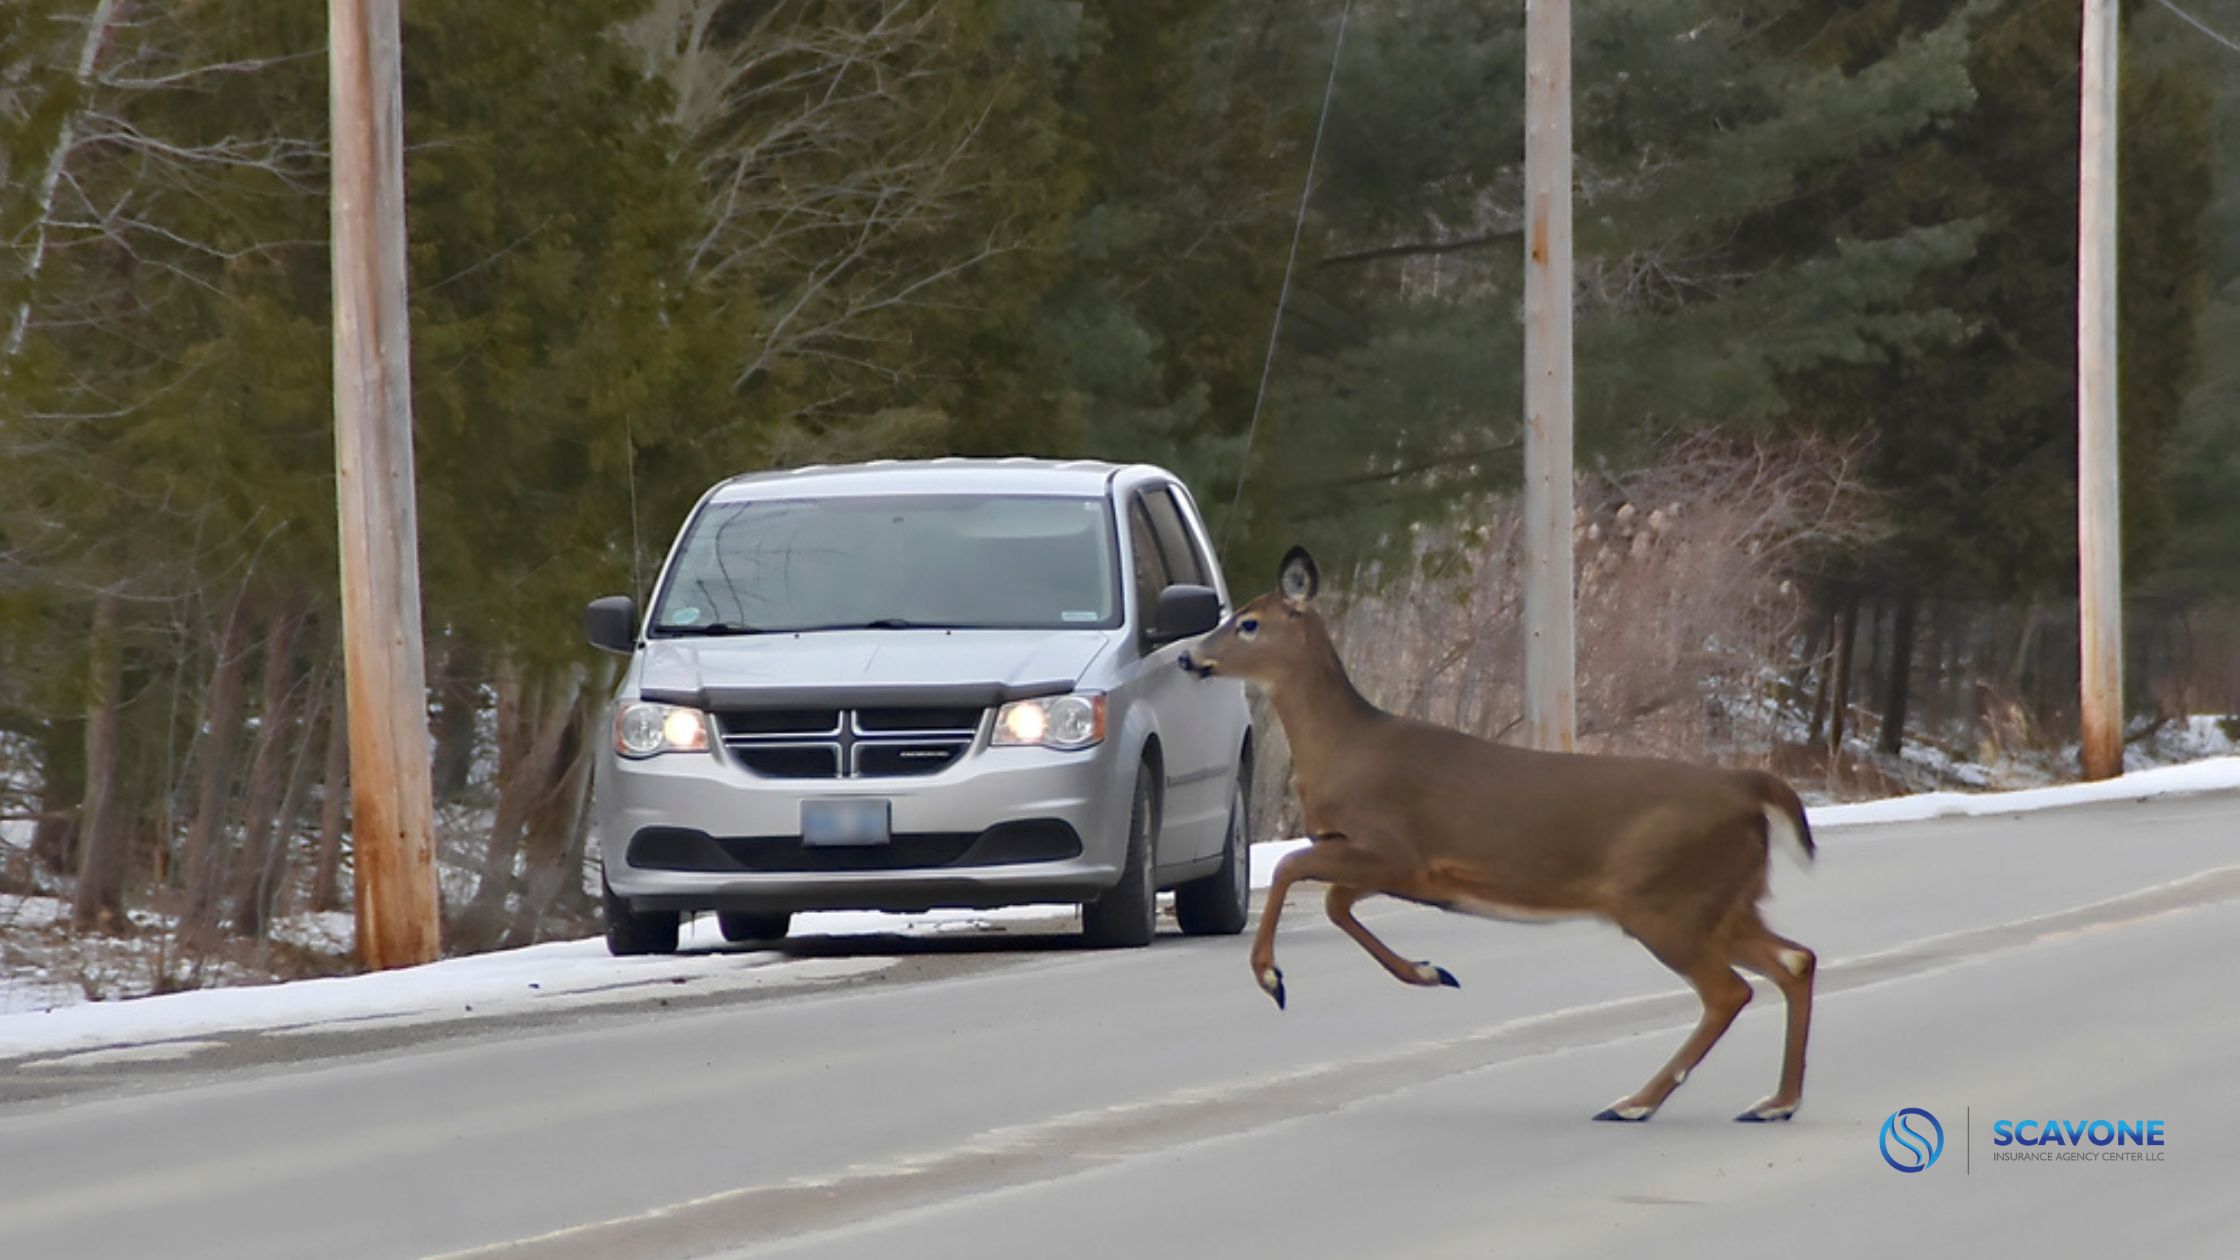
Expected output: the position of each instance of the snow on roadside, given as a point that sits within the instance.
(540, 977)
(559, 975)
(2217, 774)
(2214, 775)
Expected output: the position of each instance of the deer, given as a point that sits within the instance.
(1673, 854)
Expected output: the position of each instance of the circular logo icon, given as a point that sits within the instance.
(1906, 1145)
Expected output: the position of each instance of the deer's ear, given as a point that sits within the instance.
(1298, 579)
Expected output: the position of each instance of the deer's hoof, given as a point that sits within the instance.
(1763, 1114)
(1616, 1114)
(1431, 973)
(1271, 981)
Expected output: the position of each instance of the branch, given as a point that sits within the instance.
(1407, 249)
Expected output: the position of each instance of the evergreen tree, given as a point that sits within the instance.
(1976, 441)
(1694, 130)
(2203, 469)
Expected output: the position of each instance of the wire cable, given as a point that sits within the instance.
(1283, 295)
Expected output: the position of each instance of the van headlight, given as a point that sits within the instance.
(645, 729)
(1068, 722)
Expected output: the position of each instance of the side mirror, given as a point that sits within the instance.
(612, 624)
(1185, 612)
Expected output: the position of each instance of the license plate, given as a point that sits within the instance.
(832, 824)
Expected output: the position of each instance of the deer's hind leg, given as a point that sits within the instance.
(1700, 958)
(1339, 904)
(1333, 861)
(1791, 967)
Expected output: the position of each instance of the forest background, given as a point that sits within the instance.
(1826, 260)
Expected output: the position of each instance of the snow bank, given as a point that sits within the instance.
(2218, 774)
(508, 982)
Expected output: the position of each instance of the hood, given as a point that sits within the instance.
(867, 667)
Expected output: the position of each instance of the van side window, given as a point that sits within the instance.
(1176, 546)
(1150, 568)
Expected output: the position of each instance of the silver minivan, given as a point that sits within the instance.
(902, 685)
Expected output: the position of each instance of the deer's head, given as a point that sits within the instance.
(1266, 637)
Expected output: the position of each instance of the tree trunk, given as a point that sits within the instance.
(1846, 642)
(1902, 619)
(458, 690)
(1808, 670)
(1948, 664)
(1869, 669)
(62, 788)
(276, 732)
(553, 838)
(1823, 665)
(533, 729)
(98, 904)
(253, 914)
(202, 865)
(334, 802)
(2025, 646)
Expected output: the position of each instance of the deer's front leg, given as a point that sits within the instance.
(1332, 860)
(1339, 904)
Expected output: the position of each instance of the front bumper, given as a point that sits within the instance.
(1002, 826)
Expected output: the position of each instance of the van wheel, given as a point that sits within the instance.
(746, 925)
(1124, 917)
(635, 932)
(1218, 904)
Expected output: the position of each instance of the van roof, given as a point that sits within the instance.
(950, 475)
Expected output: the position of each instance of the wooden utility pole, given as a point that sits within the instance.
(1550, 659)
(2099, 454)
(391, 796)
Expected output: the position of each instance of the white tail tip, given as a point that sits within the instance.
(1782, 833)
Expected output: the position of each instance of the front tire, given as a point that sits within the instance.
(635, 932)
(1126, 916)
(746, 925)
(1219, 904)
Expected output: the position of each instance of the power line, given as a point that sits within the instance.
(2201, 26)
(1314, 157)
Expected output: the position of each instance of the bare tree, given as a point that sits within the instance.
(50, 178)
(842, 172)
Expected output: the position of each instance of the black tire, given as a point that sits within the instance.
(748, 925)
(1219, 904)
(635, 932)
(1127, 915)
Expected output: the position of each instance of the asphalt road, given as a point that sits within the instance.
(1022, 1098)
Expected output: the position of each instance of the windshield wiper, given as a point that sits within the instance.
(880, 623)
(712, 629)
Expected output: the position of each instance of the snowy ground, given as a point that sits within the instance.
(76, 1033)
(546, 977)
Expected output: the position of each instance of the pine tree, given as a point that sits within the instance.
(1699, 298)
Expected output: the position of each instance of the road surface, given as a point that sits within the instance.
(1018, 1097)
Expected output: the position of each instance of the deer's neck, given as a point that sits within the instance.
(1320, 710)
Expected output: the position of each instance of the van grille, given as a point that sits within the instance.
(888, 742)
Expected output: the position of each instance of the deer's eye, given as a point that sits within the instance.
(1248, 627)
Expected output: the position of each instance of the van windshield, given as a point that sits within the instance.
(936, 561)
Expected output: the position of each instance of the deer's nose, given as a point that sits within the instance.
(1196, 667)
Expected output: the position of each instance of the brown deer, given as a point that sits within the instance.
(1673, 854)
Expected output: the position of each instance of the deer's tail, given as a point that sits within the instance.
(1786, 826)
